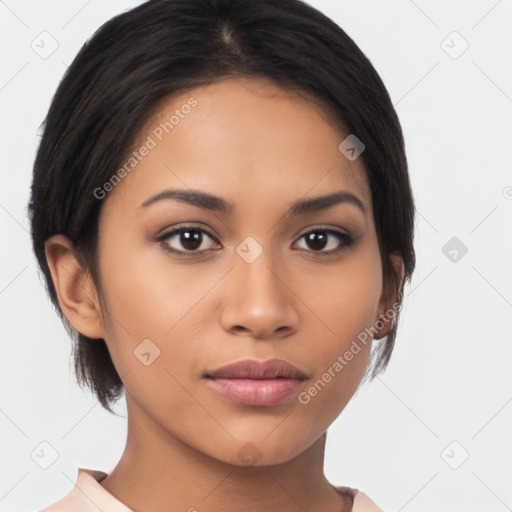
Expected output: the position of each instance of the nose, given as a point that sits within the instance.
(259, 300)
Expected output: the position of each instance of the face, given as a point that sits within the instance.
(252, 280)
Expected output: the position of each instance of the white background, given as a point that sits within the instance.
(450, 375)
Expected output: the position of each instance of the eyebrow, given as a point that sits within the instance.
(210, 202)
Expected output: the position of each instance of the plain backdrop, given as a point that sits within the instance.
(431, 433)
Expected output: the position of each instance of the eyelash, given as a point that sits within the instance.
(346, 240)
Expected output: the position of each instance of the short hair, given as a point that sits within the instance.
(161, 48)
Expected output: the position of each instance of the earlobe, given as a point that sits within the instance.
(387, 310)
(75, 290)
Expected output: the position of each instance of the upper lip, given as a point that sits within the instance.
(253, 369)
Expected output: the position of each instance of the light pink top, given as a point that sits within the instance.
(89, 496)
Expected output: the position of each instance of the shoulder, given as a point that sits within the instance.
(362, 503)
(66, 504)
(87, 495)
(71, 501)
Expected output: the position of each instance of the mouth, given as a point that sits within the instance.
(256, 383)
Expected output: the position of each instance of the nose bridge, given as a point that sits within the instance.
(256, 269)
(260, 274)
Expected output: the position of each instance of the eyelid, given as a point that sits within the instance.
(184, 225)
(323, 227)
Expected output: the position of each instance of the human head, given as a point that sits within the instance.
(146, 56)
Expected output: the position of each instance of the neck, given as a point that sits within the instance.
(157, 472)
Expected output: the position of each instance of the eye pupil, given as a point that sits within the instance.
(191, 239)
(317, 240)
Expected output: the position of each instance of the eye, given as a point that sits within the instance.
(320, 238)
(190, 238)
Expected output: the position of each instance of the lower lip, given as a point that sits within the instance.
(256, 392)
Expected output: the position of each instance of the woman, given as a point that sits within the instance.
(222, 212)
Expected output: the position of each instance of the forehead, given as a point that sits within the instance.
(244, 140)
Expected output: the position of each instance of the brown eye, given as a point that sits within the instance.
(187, 240)
(319, 239)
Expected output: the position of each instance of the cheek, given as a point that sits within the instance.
(345, 300)
(340, 359)
(154, 314)
(145, 294)
(348, 310)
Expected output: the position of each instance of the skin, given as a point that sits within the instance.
(261, 148)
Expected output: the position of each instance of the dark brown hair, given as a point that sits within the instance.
(164, 47)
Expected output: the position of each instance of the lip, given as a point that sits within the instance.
(256, 383)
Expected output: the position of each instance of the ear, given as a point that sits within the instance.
(75, 289)
(389, 296)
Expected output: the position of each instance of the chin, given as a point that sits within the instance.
(262, 451)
